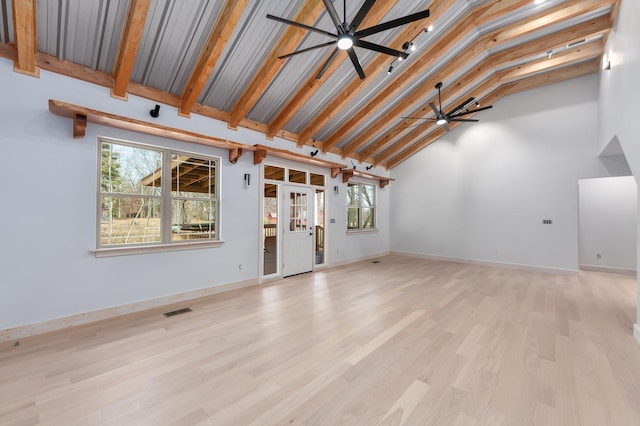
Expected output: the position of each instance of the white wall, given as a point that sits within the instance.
(48, 210)
(608, 212)
(619, 91)
(481, 192)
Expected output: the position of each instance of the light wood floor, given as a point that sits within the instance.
(403, 341)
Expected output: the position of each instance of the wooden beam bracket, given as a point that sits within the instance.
(347, 174)
(234, 154)
(79, 125)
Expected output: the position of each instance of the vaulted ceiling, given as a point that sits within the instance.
(220, 59)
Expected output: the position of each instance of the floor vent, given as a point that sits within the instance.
(376, 261)
(177, 312)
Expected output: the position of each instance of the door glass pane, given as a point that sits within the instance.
(270, 228)
(317, 180)
(319, 231)
(297, 176)
(273, 173)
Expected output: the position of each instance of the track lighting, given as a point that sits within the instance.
(369, 167)
(477, 104)
(155, 113)
(428, 29)
(314, 153)
(390, 69)
(549, 53)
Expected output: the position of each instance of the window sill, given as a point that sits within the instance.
(156, 248)
(361, 231)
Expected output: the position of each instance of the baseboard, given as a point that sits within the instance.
(115, 311)
(609, 269)
(636, 332)
(357, 259)
(522, 267)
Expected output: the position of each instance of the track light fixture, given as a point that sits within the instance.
(155, 113)
(369, 167)
(314, 153)
(390, 69)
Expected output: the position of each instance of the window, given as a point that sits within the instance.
(361, 204)
(153, 196)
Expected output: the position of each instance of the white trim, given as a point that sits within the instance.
(362, 231)
(520, 266)
(596, 268)
(357, 259)
(636, 332)
(115, 311)
(155, 248)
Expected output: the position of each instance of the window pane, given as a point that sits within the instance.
(193, 220)
(352, 195)
(129, 170)
(352, 218)
(297, 176)
(192, 177)
(129, 220)
(367, 195)
(317, 180)
(273, 172)
(368, 218)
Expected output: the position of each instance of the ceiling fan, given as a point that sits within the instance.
(347, 34)
(443, 119)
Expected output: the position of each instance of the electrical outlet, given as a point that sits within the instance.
(240, 266)
(547, 221)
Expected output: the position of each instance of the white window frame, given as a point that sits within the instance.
(360, 208)
(166, 199)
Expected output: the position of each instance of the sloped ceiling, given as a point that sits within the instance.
(220, 59)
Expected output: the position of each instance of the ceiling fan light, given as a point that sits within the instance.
(345, 42)
(441, 122)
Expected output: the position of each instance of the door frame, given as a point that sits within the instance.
(286, 164)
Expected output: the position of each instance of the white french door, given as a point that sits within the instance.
(297, 250)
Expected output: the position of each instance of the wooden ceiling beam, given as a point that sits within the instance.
(515, 73)
(584, 30)
(24, 37)
(291, 38)
(311, 86)
(418, 67)
(228, 19)
(129, 42)
(535, 81)
(356, 86)
(418, 132)
(515, 30)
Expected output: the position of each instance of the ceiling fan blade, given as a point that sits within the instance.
(435, 110)
(362, 13)
(379, 48)
(470, 120)
(417, 118)
(392, 24)
(298, 24)
(334, 15)
(460, 114)
(327, 63)
(356, 63)
(318, 46)
(459, 107)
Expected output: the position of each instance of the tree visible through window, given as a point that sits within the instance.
(360, 206)
(152, 195)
